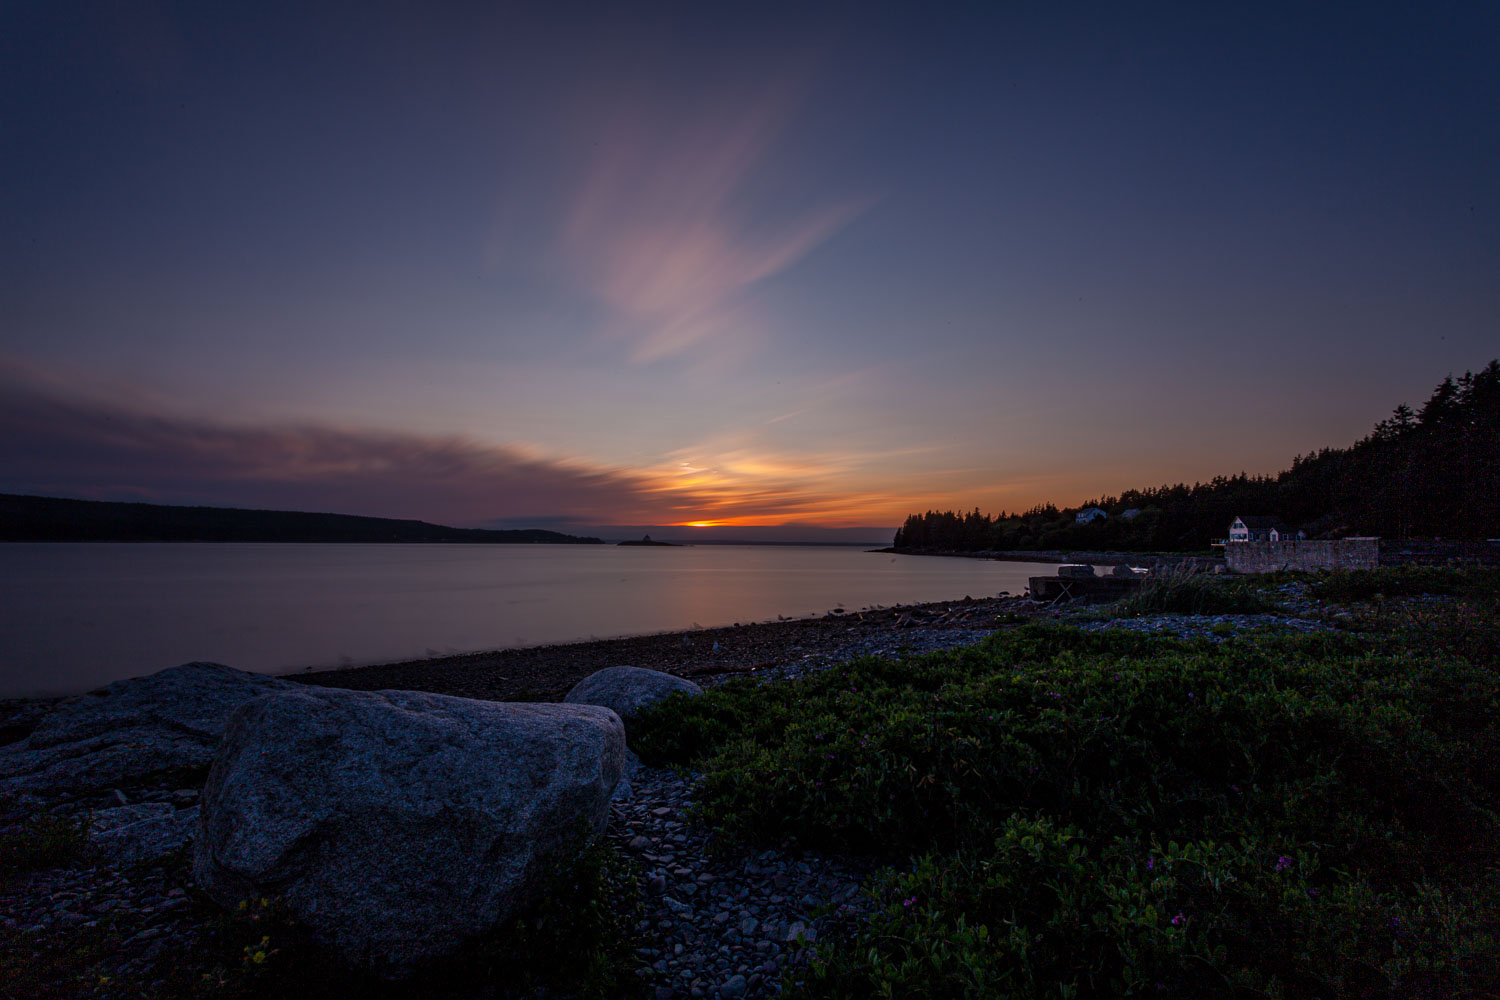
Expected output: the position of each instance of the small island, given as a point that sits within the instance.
(646, 540)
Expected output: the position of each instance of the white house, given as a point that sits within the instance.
(1089, 514)
(1262, 529)
(1131, 514)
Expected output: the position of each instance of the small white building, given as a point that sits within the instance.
(1089, 514)
(1131, 514)
(1262, 529)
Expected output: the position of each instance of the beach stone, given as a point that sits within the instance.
(396, 825)
(103, 821)
(628, 691)
(119, 735)
(130, 835)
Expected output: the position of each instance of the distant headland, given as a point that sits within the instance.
(53, 519)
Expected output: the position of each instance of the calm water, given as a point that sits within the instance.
(73, 616)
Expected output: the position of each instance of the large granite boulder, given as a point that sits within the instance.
(169, 720)
(629, 691)
(396, 825)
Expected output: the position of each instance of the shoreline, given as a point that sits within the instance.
(545, 673)
(530, 667)
(1104, 558)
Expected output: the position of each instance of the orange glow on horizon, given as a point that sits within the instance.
(737, 486)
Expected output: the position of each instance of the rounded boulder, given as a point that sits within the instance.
(628, 691)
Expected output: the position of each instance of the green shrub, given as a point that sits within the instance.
(1046, 912)
(900, 758)
(1367, 761)
(1191, 594)
(1405, 581)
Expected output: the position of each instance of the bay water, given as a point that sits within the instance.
(74, 616)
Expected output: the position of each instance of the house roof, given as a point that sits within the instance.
(1261, 523)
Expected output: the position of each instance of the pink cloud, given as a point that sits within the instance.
(661, 227)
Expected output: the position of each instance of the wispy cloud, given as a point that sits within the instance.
(664, 229)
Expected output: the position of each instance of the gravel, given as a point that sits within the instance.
(725, 924)
(1297, 613)
(135, 920)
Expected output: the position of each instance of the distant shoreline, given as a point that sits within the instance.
(57, 519)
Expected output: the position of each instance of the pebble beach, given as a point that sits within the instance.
(715, 923)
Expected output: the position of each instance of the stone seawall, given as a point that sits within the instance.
(1268, 557)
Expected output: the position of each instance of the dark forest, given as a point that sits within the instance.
(1433, 472)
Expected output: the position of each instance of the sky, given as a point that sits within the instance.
(781, 270)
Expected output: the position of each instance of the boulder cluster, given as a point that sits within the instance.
(394, 825)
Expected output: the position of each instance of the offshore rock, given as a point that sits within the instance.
(396, 825)
(628, 691)
(133, 728)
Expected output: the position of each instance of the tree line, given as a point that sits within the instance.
(1433, 472)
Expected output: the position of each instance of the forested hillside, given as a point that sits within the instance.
(52, 519)
(1433, 472)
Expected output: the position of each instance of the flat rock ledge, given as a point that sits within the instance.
(122, 734)
(397, 825)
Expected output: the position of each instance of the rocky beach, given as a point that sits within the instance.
(125, 916)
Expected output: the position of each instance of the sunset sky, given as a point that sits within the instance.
(749, 264)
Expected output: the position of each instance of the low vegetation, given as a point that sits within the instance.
(1407, 581)
(1098, 814)
(1192, 594)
